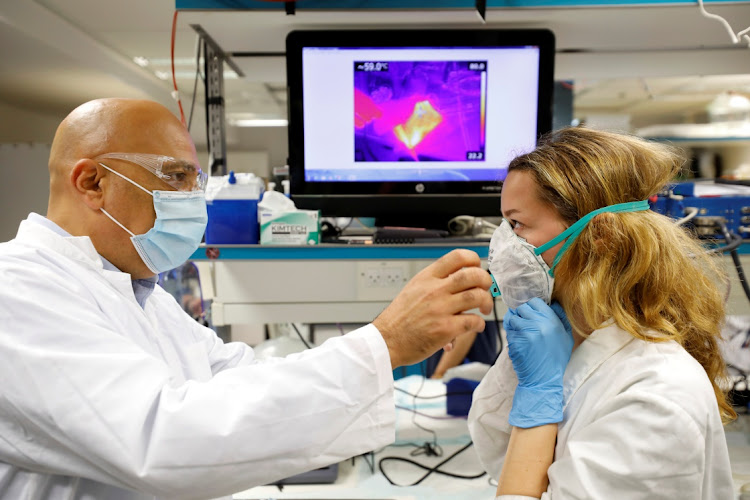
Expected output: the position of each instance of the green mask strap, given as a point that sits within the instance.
(573, 231)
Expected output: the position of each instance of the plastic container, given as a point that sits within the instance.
(232, 203)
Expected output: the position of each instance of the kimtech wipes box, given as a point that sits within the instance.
(281, 223)
(298, 227)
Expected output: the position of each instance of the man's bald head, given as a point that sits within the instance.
(115, 125)
(80, 187)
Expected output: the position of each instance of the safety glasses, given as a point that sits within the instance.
(180, 174)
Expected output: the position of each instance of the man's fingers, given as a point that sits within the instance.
(469, 277)
(460, 324)
(449, 346)
(475, 298)
(452, 262)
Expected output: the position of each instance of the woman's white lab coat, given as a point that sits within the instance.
(99, 396)
(640, 422)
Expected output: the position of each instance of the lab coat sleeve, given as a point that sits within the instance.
(639, 446)
(488, 416)
(78, 398)
(225, 355)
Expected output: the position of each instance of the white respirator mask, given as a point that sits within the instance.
(518, 271)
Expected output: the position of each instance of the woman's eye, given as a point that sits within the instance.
(515, 224)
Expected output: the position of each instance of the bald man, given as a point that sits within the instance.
(110, 391)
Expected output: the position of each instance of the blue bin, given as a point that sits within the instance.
(232, 222)
(459, 392)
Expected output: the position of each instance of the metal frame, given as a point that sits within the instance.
(214, 58)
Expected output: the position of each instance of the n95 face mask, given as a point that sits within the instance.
(519, 273)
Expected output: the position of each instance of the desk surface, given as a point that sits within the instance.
(344, 252)
(357, 481)
(332, 252)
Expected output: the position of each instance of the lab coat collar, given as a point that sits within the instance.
(77, 248)
(601, 345)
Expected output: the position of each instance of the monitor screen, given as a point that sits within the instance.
(424, 121)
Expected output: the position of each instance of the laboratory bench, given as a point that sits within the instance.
(334, 283)
(328, 283)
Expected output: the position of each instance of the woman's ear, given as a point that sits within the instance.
(85, 177)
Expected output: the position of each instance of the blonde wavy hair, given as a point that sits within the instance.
(639, 268)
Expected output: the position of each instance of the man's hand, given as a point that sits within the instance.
(429, 312)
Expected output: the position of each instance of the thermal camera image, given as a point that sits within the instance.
(427, 111)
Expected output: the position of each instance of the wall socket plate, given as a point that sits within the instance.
(382, 280)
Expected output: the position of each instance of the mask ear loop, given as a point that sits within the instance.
(115, 221)
(133, 183)
(129, 180)
(575, 230)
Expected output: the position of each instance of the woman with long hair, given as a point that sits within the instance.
(612, 386)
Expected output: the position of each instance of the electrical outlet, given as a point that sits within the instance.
(392, 277)
(372, 277)
(381, 280)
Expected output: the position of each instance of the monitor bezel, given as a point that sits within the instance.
(377, 199)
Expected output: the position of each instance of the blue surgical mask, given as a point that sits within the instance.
(181, 219)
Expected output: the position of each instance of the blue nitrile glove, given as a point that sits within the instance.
(539, 345)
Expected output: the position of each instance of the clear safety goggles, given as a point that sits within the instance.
(180, 174)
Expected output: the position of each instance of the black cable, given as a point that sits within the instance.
(429, 397)
(195, 82)
(430, 470)
(733, 241)
(731, 247)
(342, 229)
(427, 415)
(369, 463)
(300, 336)
(430, 449)
(499, 325)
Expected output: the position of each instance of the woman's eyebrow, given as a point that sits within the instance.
(510, 212)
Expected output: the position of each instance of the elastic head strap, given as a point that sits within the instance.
(573, 231)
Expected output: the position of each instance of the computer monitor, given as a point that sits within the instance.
(413, 127)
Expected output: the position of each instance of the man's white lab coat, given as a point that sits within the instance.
(99, 396)
(640, 422)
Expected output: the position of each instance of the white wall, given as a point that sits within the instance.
(25, 137)
(21, 125)
(270, 139)
(25, 184)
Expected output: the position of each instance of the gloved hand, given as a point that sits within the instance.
(540, 343)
